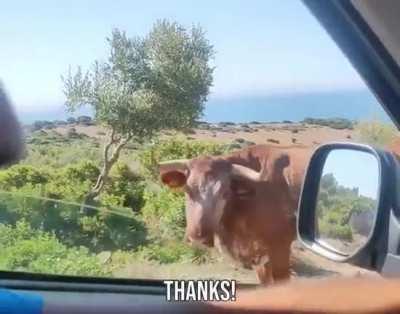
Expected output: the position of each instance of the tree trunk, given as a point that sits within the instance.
(108, 163)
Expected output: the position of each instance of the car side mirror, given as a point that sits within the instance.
(346, 202)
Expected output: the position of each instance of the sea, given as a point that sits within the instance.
(353, 105)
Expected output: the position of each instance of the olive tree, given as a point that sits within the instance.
(148, 84)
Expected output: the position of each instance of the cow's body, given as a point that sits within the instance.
(250, 216)
(256, 156)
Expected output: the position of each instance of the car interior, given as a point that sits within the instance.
(367, 33)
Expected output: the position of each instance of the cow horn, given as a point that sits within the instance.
(247, 173)
(178, 164)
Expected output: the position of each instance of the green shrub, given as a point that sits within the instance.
(108, 229)
(375, 133)
(119, 259)
(164, 214)
(69, 183)
(175, 148)
(19, 175)
(124, 188)
(334, 123)
(73, 181)
(336, 231)
(111, 230)
(61, 152)
(171, 252)
(25, 249)
(336, 204)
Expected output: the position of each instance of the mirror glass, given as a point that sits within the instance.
(347, 200)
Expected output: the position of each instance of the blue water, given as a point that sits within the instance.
(355, 105)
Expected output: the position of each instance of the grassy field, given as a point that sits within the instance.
(136, 227)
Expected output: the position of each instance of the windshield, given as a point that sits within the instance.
(106, 91)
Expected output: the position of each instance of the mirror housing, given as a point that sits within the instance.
(373, 253)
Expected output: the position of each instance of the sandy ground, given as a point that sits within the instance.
(305, 264)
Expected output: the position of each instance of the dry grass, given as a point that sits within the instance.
(284, 133)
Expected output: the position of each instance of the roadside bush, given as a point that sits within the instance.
(335, 206)
(57, 154)
(171, 252)
(71, 133)
(19, 175)
(334, 123)
(375, 133)
(25, 249)
(38, 125)
(108, 229)
(164, 214)
(124, 188)
(84, 120)
(71, 120)
(336, 231)
(112, 226)
(72, 182)
(113, 229)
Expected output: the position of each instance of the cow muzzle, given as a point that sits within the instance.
(202, 242)
(199, 240)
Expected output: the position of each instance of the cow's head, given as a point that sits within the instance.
(210, 183)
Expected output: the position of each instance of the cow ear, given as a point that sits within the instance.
(174, 173)
(275, 166)
(174, 178)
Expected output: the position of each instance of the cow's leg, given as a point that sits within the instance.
(264, 273)
(280, 263)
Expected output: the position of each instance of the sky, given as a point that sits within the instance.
(354, 169)
(263, 47)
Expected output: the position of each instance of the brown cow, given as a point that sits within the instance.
(244, 204)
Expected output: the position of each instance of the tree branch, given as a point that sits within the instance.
(117, 150)
(109, 162)
(108, 145)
